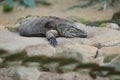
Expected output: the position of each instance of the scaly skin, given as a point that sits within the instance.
(49, 26)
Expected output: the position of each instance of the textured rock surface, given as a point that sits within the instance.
(82, 53)
(67, 76)
(41, 49)
(102, 37)
(12, 42)
(109, 50)
(23, 73)
(5, 74)
(101, 41)
(113, 26)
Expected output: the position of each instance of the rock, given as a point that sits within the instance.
(13, 43)
(79, 76)
(1, 60)
(5, 74)
(25, 73)
(2, 27)
(80, 49)
(73, 41)
(50, 76)
(115, 64)
(112, 26)
(67, 76)
(105, 51)
(101, 37)
(17, 43)
(94, 38)
(82, 53)
(40, 49)
(107, 54)
(110, 58)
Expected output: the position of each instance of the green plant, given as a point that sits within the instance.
(104, 3)
(7, 8)
(8, 5)
(77, 19)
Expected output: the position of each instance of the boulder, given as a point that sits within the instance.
(108, 54)
(112, 26)
(101, 37)
(25, 73)
(13, 42)
(40, 49)
(82, 53)
(105, 51)
(5, 74)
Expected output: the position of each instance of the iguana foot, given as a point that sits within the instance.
(53, 41)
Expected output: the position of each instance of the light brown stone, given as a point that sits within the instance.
(109, 50)
(40, 49)
(25, 73)
(77, 51)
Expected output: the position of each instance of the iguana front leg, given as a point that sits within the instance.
(51, 36)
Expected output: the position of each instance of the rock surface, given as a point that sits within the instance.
(113, 26)
(105, 51)
(101, 42)
(23, 73)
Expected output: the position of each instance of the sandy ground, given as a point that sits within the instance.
(57, 9)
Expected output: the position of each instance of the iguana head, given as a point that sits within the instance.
(77, 32)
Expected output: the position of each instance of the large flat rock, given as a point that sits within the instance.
(13, 42)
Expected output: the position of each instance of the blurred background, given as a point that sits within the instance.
(91, 10)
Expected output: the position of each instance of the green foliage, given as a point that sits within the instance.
(7, 8)
(92, 2)
(2, 52)
(103, 71)
(43, 2)
(77, 19)
(99, 23)
(8, 5)
(39, 59)
(15, 57)
(87, 65)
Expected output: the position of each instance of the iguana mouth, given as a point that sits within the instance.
(83, 35)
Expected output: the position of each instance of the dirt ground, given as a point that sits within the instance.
(57, 9)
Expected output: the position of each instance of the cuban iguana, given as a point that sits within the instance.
(49, 26)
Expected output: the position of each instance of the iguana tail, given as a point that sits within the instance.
(13, 28)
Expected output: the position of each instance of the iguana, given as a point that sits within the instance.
(49, 26)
